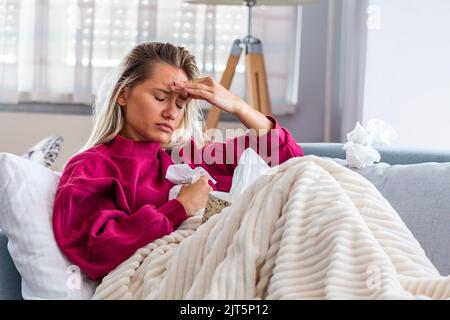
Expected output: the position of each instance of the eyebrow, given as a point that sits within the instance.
(169, 92)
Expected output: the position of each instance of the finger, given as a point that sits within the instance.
(177, 89)
(208, 81)
(199, 86)
(206, 181)
(201, 179)
(195, 85)
(182, 94)
(194, 97)
(180, 90)
(198, 94)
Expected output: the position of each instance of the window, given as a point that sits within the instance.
(60, 50)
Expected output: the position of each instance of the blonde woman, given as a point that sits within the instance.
(113, 196)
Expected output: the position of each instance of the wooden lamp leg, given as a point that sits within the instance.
(257, 79)
(214, 113)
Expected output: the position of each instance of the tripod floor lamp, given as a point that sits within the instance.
(255, 68)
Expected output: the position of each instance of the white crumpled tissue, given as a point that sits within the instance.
(183, 174)
(359, 149)
(250, 167)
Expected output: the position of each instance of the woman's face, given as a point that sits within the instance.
(151, 103)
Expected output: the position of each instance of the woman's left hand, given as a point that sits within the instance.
(209, 90)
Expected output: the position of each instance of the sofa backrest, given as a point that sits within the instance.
(390, 155)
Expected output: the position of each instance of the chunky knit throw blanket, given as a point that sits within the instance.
(310, 229)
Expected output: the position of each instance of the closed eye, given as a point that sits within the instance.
(182, 100)
(160, 99)
(181, 106)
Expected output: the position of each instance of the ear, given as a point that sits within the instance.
(123, 97)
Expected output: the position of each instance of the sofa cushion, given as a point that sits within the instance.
(9, 277)
(420, 193)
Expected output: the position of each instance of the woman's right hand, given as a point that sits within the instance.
(195, 196)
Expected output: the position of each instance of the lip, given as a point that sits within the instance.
(164, 127)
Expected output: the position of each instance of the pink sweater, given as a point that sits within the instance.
(113, 198)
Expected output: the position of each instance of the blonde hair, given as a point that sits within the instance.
(136, 67)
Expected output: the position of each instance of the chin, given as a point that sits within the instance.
(161, 137)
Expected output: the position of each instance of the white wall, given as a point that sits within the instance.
(408, 71)
(19, 131)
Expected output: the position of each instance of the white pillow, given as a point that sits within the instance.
(27, 191)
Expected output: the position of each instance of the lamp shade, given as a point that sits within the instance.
(256, 2)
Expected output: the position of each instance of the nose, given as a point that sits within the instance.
(170, 111)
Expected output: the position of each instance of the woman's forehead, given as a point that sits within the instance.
(166, 74)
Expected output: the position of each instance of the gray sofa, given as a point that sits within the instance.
(430, 227)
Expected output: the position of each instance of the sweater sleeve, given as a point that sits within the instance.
(95, 228)
(221, 158)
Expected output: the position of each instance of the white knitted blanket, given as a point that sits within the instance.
(312, 229)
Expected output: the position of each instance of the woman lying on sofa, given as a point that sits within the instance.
(112, 198)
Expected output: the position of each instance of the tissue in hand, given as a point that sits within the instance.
(250, 167)
(183, 174)
(360, 151)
